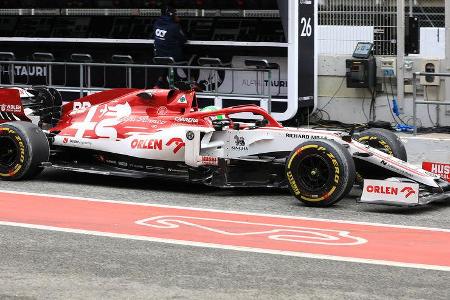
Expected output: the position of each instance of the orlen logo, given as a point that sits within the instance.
(178, 144)
(408, 191)
(390, 190)
(147, 144)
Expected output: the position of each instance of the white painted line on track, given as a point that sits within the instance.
(227, 211)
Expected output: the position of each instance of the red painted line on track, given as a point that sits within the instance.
(320, 237)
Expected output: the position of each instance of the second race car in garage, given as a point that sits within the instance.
(140, 133)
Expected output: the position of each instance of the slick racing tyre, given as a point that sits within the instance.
(320, 172)
(383, 140)
(23, 148)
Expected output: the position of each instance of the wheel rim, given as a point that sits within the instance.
(9, 152)
(314, 173)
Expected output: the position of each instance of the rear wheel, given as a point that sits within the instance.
(320, 173)
(23, 148)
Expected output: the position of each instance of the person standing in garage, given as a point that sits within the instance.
(169, 39)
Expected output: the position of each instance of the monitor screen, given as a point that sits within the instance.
(363, 50)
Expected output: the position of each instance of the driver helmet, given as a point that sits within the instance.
(213, 108)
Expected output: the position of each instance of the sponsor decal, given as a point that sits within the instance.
(176, 171)
(210, 160)
(240, 141)
(293, 184)
(136, 166)
(72, 141)
(265, 83)
(297, 136)
(160, 33)
(304, 136)
(143, 119)
(151, 168)
(128, 165)
(245, 83)
(373, 139)
(186, 120)
(190, 135)
(109, 116)
(182, 100)
(178, 142)
(162, 111)
(391, 191)
(29, 71)
(122, 164)
(441, 169)
(408, 191)
(337, 171)
(19, 166)
(381, 189)
(151, 144)
(240, 144)
(80, 107)
(10, 108)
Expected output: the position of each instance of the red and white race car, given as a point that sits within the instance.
(139, 133)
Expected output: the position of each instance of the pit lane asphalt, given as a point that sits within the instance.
(43, 264)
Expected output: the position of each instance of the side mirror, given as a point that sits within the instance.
(220, 124)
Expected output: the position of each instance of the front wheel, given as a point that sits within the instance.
(320, 172)
(384, 141)
(23, 149)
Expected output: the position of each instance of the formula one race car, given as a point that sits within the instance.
(140, 133)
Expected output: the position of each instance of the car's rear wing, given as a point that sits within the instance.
(11, 107)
